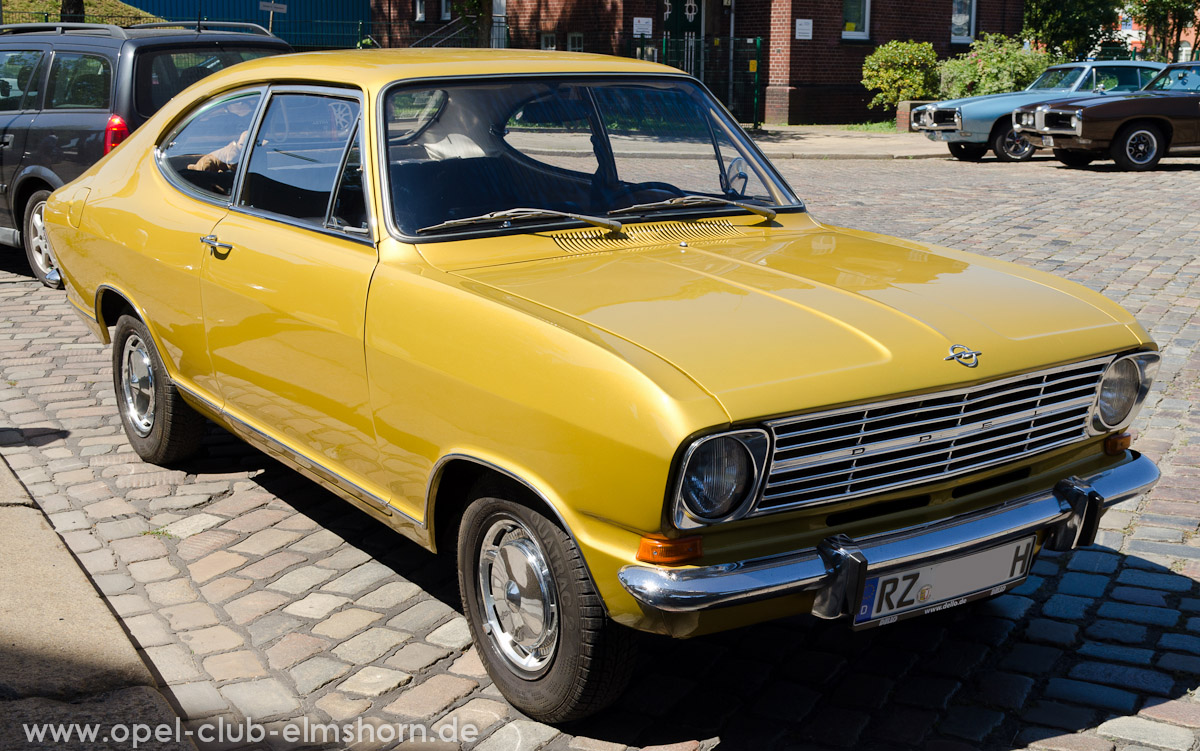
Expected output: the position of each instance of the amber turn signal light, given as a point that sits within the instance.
(1115, 445)
(662, 550)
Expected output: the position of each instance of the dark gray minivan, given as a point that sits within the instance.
(70, 92)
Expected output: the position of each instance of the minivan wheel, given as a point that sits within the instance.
(537, 621)
(37, 246)
(1138, 147)
(161, 427)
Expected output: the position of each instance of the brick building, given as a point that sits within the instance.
(807, 70)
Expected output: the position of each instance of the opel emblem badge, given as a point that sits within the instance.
(964, 355)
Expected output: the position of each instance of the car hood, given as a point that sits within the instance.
(1010, 99)
(1098, 100)
(795, 320)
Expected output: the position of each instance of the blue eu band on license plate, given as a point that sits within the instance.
(925, 589)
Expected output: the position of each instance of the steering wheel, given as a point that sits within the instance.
(734, 172)
(630, 189)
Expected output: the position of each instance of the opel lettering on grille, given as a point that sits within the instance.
(964, 355)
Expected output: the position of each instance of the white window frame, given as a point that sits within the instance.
(548, 36)
(445, 10)
(575, 41)
(971, 37)
(419, 10)
(865, 32)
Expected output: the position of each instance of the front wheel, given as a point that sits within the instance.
(37, 246)
(1138, 147)
(1073, 158)
(1010, 146)
(536, 619)
(967, 152)
(161, 427)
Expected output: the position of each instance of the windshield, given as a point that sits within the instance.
(577, 147)
(1057, 78)
(1185, 78)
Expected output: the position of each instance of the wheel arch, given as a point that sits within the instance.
(1162, 123)
(26, 185)
(111, 304)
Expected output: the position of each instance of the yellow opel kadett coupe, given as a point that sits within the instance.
(558, 314)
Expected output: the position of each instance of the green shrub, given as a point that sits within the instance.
(994, 64)
(900, 71)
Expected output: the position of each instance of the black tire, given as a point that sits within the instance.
(1009, 145)
(162, 428)
(1073, 158)
(37, 248)
(967, 152)
(1138, 147)
(584, 660)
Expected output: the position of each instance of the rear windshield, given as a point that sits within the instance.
(163, 74)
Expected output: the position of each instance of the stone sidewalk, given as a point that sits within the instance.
(253, 593)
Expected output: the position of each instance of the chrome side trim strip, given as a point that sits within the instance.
(682, 590)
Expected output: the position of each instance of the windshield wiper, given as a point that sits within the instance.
(696, 200)
(522, 213)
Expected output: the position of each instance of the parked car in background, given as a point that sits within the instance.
(556, 315)
(70, 92)
(973, 125)
(1135, 130)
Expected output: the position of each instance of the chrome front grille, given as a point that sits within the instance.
(875, 448)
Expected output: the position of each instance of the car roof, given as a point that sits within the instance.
(101, 34)
(1119, 63)
(375, 68)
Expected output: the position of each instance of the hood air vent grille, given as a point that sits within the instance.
(641, 235)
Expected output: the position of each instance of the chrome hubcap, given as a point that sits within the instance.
(137, 385)
(1141, 147)
(1016, 146)
(520, 601)
(38, 245)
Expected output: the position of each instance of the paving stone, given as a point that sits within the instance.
(128, 604)
(271, 565)
(389, 595)
(1093, 562)
(358, 579)
(111, 584)
(265, 541)
(972, 723)
(204, 543)
(1178, 712)
(519, 735)
(1139, 614)
(1091, 694)
(1181, 642)
(1066, 607)
(148, 630)
(1033, 659)
(374, 681)
(271, 627)
(293, 648)
(1052, 632)
(122, 528)
(1174, 662)
(369, 645)
(1059, 715)
(1071, 743)
(110, 508)
(173, 592)
(1139, 679)
(483, 713)
(213, 639)
(197, 700)
(1116, 653)
(316, 672)
(192, 525)
(256, 520)
(471, 666)
(234, 665)
(215, 564)
(300, 580)
(238, 503)
(341, 707)
(342, 624)
(79, 541)
(154, 570)
(1140, 730)
(1004, 690)
(248, 607)
(1169, 582)
(957, 658)
(315, 605)
(224, 588)
(1139, 596)
(189, 616)
(422, 616)
(172, 663)
(261, 699)
(902, 725)
(318, 542)
(346, 558)
(1128, 633)
(98, 561)
(416, 657)
(455, 634)
(1083, 585)
(430, 698)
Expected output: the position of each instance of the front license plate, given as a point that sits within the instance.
(916, 591)
(1048, 141)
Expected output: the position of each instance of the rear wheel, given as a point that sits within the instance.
(1010, 146)
(37, 246)
(536, 619)
(161, 427)
(967, 152)
(1074, 158)
(1138, 147)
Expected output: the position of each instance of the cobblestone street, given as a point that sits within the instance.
(253, 592)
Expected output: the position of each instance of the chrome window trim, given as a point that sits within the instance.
(381, 150)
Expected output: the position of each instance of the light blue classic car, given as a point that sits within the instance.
(973, 125)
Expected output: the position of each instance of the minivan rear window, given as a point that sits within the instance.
(161, 75)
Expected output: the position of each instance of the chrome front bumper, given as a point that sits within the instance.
(1070, 513)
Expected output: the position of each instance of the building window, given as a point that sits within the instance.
(962, 21)
(419, 15)
(575, 41)
(1126, 23)
(445, 10)
(549, 41)
(856, 19)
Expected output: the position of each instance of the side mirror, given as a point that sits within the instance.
(1099, 89)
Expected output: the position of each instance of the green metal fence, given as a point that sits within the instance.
(732, 69)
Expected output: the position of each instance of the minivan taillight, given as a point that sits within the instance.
(115, 131)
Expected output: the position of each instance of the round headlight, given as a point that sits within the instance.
(719, 475)
(1118, 392)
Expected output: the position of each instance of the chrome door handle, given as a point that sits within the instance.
(214, 246)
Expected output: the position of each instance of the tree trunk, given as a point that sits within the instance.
(72, 10)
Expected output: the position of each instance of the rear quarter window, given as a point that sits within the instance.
(79, 81)
(161, 74)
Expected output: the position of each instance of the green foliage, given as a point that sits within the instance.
(900, 71)
(1164, 22)
(994, 64)
(887, 126)
(1071, 28)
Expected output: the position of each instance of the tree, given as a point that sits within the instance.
(1164, 22)
(1070, 28)
(72, 10)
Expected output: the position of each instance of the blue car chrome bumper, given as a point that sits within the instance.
(1069, 513)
